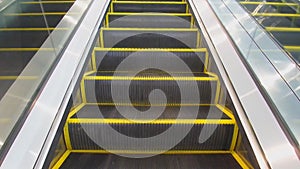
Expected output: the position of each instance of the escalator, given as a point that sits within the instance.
(119, 110)
(24, 26)
(281, 19)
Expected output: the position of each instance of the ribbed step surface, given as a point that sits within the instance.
(149, 20)
(50, 6)
(159, 38)
(136, 6)
(98, 87)
(109, 59)
(89, 125)
(101, 161)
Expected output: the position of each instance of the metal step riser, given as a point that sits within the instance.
(80, 140)
(149, 39)
(149, 21)
(99, 91)
(109, 61)
(31, 21)
(162, 8)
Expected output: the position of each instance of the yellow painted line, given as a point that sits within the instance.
(150, 121)
(239, 160)
(32, 29)
(198, 40)
(206, 62)
(125, 71)
(38, 14)
(141, 105)
(61, 160)
(90, 72)
(94, 66)
(25, 49)
(18, 77)
(76, 109)
(226, 111)
(82, 90)
(48, 2)
(67, 136)
(149, 2)
(153, 152)
(152, 29)
(149, 14)
(101, 39)
(179, 78)
(244, 159)
(268, 3)
(153, 49)
(234, 137)
(277, 14)
(282, 29)
(292, 48)
(218, 89)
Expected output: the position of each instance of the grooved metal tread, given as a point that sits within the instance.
(170, 112)
(110, 161)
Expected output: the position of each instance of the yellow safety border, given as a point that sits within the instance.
(82, 90)
(153, 152)
(145, 78)
(18, 77)
(282, 29)
(146, 121)
(239, 160)
(49, 2)
(67, 136)
(152, 29)
(32, 29)
(62, 159)
(101, 39)
(94, 65)
(25, 49)
(276, 14)
(141, 105)
(268, 3)
(152, 49)
(39, 14)
(149, 2)
(292, 48)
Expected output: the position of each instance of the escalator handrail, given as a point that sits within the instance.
(257, 109)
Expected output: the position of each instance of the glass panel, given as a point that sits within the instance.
(33, 33)
(276, 72)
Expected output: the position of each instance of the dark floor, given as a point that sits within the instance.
(109, 161)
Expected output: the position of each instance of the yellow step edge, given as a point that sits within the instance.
(153, 152)
(282, 29)
(62, 159)
(32, 29)
(152, 49)
(49, 2)
(240, 161)
(276, 14)
(150, 121)
(269, 3)
(150, 13)
(25, 49)
(18, 77)
(141, 105)
(152, 29)
(149, 2)
(38, 14)
(292, 48)
(151, 78)
(125, 71)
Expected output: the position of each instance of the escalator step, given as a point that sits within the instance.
(34, 21)
(49, 6)
(24, 37)
(150, 38)
(137, 6)
(98, 88)
(107, 59)
(111, 161)
(149, 20)
(287, 38)
(82, 131)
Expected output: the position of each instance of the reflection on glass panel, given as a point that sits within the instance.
(276, 72)
(33, 33)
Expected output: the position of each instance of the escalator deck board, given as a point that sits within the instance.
(103, 161)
